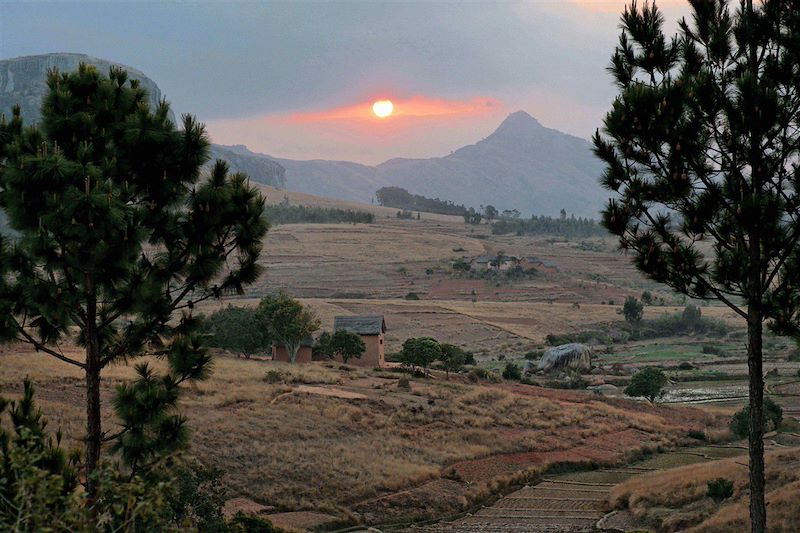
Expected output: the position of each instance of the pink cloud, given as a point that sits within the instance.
(413, 107)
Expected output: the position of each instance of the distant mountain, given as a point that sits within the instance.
(522, 165)
(23, 82)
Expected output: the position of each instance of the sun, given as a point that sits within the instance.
(383, 108)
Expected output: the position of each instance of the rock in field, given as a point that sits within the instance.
(574, 355)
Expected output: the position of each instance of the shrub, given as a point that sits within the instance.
(710, 349)
(481, 374)
(647, 383)
(274, 376)
(412, 296)
(720, 489)
(512, 372)
(533, 355)
(633, 310)
(698, 435)
(773, 417)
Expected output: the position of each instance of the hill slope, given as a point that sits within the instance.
(23, 82)
(521, 165)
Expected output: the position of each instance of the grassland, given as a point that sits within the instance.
(350, 443)
(676, 499)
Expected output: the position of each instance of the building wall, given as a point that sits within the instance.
(279, 353)
(373, 356)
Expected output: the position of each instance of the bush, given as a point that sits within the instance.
(647, 383)
(698, 435)
(710, 349)
(720, 489)
(512, 372)
(412, 296)
(633, 310)
(274, 376)
(481, 374)
(773, 417)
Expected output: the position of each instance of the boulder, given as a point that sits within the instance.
(605, 389)
(573, 355)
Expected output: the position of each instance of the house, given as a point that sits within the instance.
(543, 265)
(279, 352)
(482, 262)
(372, 329)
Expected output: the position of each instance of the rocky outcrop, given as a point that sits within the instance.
(23, 82)
(574, 355)
(260, 168)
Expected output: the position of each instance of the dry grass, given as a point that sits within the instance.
(284, 445)
(675, 499)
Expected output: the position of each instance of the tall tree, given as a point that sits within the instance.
(701, 146)
(288, 321)
(117, 239)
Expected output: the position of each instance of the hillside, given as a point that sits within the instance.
(23, 82)
(522, 165)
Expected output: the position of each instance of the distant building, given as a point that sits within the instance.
(279, 352)
(532, 261)
(483, 262)
(372, 329)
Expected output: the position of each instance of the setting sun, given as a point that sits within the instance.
(383, 108)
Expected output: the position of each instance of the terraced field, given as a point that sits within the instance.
(574, 502)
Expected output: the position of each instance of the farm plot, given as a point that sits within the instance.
(573, 502)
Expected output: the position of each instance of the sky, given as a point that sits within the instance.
(298, 79)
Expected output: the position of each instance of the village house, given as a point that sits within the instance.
(482, 262)
(372, 329)
(279, 352)
(542, 265)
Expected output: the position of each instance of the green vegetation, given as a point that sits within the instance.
(700, 144)
(284, 213)
(632, 310)
(571, 227)
(454, 358)
(420, 352)
(117, 239)
(341, 343)
(39, 488)
(288, 321)
(512, 372)
(647, 383)
(402, 199)
(237, 329)
(773, 417)
(720, 489)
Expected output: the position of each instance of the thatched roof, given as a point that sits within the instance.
(363, 325)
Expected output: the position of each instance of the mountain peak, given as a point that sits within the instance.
(520, 121)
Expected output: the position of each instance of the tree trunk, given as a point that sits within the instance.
(758, 508)
(93, 417)
(292, 350)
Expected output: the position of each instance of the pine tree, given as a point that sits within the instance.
(117, 238)
(701, 148)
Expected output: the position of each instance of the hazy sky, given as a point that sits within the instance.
(297, 79)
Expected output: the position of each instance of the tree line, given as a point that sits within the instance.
(404, 200)
(285, 213)
(569, 227)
